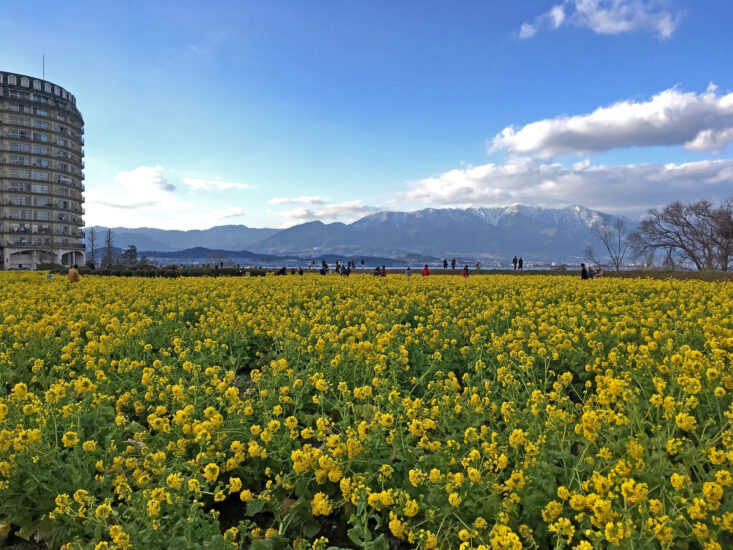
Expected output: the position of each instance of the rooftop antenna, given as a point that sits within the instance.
(44, 66)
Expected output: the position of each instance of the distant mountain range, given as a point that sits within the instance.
(490, 234)
(227, 237)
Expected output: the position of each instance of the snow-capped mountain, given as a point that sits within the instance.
(542, 234)
(535, 233)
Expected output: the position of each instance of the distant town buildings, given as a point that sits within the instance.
(41, 173)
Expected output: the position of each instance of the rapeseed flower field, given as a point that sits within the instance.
(496, 412)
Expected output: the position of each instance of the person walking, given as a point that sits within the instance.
(520, 263)
(453, 264)
(445, 263)
(583, 272)
(408, 272)
(73, 274)
(426, 271)
(478, 265)
(514, 261)
(464, 273)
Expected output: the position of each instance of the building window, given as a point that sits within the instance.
(17, 94)
(40, 188)
(42, 215)
(41, 112)
(47, 87)
(41, 163)
(40, 176)
(36, 85)
(19, 214)
(25, 82)
(40, 124)
(19, 120)
(17, 201)
(20, 148)
(17, 173)
(19, 108)
(40, 150)
(18, 187)
(41, 202)
(43, 138)
(20, 161)
(19, 134)
(12, 80)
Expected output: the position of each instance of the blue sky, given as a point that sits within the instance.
(273, 113)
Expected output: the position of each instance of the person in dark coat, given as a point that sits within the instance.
(445, 264)
(520, 263)
(514, 261)
(583, 272)
(453, 263)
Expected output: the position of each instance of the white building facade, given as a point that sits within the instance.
(41, 174)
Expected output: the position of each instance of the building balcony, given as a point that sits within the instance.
(47, 244)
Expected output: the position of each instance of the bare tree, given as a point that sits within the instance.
(614, 238)
(92, 238)
(109, 254)
(696, 233)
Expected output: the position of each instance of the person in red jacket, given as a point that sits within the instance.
(425, 271)
(464, 273)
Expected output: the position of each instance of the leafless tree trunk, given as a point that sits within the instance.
(614, 239)
(92, 238)
(108, 259)
(697, 233)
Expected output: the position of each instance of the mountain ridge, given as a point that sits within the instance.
(542, 234)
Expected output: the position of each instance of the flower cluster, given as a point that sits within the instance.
(493, 412)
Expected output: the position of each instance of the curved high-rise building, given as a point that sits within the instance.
(41, 173)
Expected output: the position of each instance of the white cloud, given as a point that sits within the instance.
(144, 197)
(629, 189)
(699, 121)
(202, 184)
(607, 17)
(317, 208)
(232, 212)
(128, 206)
(303, 199)
(145, 179)
(527, 30)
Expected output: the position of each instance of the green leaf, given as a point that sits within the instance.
(380, 543)
(356, 535)
(310, 528)
(272, 543)
(255, 506)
